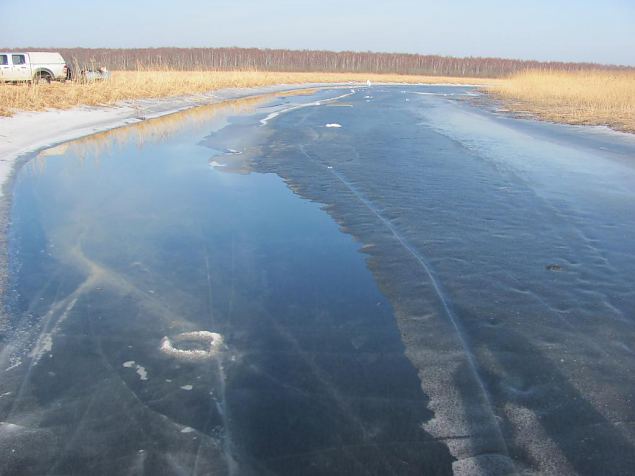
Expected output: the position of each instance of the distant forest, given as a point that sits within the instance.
(223, 59)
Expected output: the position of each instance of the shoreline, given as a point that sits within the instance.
(28, 132)
(519, 109)
(599, 98)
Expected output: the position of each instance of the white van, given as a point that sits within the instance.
(32, 66)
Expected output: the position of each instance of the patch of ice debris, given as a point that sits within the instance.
(334, 124)
(141, 371)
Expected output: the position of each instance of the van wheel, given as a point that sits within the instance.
(41, 78)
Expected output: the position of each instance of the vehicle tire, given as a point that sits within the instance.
(42, 77)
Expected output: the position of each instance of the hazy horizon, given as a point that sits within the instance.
(566, 30)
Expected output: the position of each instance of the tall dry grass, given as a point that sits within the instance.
(600, 97)
(583, 97)
(130, 85)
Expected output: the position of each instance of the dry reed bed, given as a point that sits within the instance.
(127, 85)
(584, 97)
(598, 97)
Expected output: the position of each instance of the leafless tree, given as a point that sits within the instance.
(253, 59)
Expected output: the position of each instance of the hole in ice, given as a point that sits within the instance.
(192, 346)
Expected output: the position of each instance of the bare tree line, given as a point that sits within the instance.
(223, 59)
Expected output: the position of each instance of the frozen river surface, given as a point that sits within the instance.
(389, 280)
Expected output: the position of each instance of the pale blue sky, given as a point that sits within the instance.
(599, 31)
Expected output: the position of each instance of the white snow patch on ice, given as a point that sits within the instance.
(6, 426)
(15, 362)
(142, 372)
(44, 345)
(187, 387)
(334, 124)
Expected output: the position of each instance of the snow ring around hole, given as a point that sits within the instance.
(214, 340)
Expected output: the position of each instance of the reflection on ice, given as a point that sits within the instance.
(208, 117)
